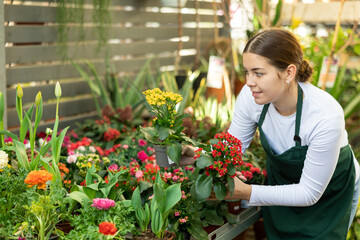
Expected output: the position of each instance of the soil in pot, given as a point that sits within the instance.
(64, 226)
(149, 235)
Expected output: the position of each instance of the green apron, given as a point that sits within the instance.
(329, 217)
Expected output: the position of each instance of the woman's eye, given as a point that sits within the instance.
(259, 74)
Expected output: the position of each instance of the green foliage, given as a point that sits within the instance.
(110, 93)
(164, 199)
(13, 196)
(96, 187)
(142, 214)
(86, 222)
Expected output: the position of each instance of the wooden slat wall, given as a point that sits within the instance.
(139, 29)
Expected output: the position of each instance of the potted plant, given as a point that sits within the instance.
(166, 130)
(216, 166)
(157, 213)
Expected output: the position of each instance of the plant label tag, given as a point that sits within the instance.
(216, 72)
(170, 161)
(334, 67)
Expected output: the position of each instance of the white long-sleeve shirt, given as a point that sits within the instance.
(322, 129)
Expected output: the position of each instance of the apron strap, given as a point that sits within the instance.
(263, 113)
(299, 104)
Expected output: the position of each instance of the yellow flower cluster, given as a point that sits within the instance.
(156, 97)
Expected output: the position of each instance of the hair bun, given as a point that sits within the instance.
(305, 71)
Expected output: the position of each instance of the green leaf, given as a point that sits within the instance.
(204, 161)
(203, 187)
(157, 222)
(220, 190)
(230, 185)
(91, 190)
(39, 113)
(136, 199)
(197, 231)
(173, 196)
(352, 106)
(150, 133)
(79, 197)
(159, 197)
(25, 124)
(21, 155)
(174, 151)
(164, 132)
(277, 13)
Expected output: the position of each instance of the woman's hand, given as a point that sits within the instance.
(241, 191)
(188, 153)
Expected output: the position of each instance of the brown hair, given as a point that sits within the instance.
(281, 48)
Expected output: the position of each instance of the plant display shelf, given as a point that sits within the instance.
(245, 219)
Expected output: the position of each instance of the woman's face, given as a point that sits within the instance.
(267, 84)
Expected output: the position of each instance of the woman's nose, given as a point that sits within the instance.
(249, 80)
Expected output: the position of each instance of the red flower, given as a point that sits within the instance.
(107, 228)
(111, 134)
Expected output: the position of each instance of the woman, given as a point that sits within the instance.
(312, 171)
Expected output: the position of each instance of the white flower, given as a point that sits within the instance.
(81, 149)
(42, 141)
(49, 131)
(3, 159)
(71, 159)
(92, 149)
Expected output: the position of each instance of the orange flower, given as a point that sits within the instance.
(38, 178)
(107, 228)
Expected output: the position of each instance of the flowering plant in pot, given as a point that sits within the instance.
(216, 166)
(166, 129)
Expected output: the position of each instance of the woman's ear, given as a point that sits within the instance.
(290, 72)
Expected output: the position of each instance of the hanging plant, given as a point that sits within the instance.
(71, 12)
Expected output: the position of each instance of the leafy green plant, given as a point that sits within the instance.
(142, 214)
(164, 199)
(265, 16)
(96, 186)
(56, 142)
(25, 126)
(216, 165)
(86, 222)
(110, 93)
(43, 210)
(170, 85)
(167, 125)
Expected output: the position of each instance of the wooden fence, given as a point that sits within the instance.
(30, 49)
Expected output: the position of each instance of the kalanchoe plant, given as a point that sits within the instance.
(216, 166)
(167, 125)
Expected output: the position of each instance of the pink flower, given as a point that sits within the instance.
(103, 203)
(175, 178)
(142, 142)
(139, 174)
(113, 167)
(167, 175)
(177, 214)
(150, 150)
(125, 146)
(142, 156)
